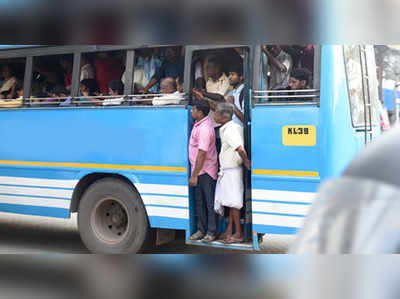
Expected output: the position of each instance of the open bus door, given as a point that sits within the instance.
(285, 153)
(231, 54)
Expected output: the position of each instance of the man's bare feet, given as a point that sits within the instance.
(236, 238)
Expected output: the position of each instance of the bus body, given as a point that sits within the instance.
(125, 169)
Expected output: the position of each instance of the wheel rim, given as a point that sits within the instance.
(109, 220)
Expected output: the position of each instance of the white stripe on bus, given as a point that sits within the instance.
(38, 182)
(167, 212)
(38, 202)
(280, 208)
(165, 201)
(36, 191)
(163, 189)
(278, 220)
(278, 195)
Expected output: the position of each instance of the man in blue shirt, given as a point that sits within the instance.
(172, 67)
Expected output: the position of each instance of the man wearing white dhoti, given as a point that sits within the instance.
(229, 190)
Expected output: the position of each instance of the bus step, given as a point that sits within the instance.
(219, 244)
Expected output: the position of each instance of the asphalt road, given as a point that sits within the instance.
(32, 234)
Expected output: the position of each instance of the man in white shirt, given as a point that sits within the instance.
(230, 189)
(171, 96)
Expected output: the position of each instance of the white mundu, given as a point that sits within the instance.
(229, 190)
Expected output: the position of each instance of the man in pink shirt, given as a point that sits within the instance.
(203, 159)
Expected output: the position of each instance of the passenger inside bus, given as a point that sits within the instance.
(300, 79)
(172, 67)
(277, 67)
(115, 88)
(66, 64)
(108, 68)
(170, 94)
(146, 66)
(88, 70)
(6, 89)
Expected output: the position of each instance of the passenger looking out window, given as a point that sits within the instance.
(115, 88)
(171, 96)
(277, 67)
(89, 88)
(299, 80)
(9, 82)
(172, 67)
(107, 69)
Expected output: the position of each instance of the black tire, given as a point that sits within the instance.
(112, 218)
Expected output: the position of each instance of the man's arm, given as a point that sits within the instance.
(152, 82)
(236, 110)
(243, 155)
(201, 157)
(200, 96)
(275, 61)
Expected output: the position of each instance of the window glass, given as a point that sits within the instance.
(372, 83)
(355, 84)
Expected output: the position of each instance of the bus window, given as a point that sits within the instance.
(12, 72)
(100, 78)
(288, 74)
(51, 80)
(158, 76)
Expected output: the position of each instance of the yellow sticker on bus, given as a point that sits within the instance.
(299, 135)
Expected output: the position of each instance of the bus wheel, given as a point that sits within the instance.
(112, 218)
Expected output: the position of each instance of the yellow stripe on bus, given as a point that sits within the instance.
(286, 172)
(92, 165)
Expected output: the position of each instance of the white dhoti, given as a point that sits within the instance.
(229, 190)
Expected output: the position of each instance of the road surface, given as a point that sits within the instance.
(33, 234)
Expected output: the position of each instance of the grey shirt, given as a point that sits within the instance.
(278, 80)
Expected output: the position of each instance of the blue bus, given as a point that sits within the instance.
(124, 168)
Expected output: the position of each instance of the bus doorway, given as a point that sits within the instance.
(208, 70)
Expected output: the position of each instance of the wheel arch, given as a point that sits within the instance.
(88, 180)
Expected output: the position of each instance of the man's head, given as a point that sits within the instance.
(236, 75)
(274, 50)
(89, 87)
(168, 85)
(200, 109)
(115, 88)
(59, 91)
(299, 79)
(214, 69)
(171, 53)
(7, 71)
(223, 113)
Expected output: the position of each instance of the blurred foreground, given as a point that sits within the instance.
(178, 276)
